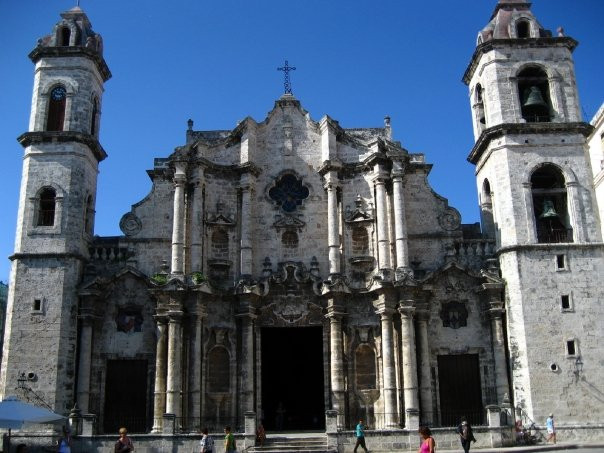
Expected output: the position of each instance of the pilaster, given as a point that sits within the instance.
(391, 415)
(174, 374)
(178, 222)
(410, 393)
(247, 189)
(400, 220)
(161, 366)
(425, 380)
(335, 314)
(380, 177)
(333, 221)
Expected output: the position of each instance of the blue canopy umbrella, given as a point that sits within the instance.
(14, 414)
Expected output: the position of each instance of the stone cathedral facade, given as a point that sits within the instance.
(292, 266)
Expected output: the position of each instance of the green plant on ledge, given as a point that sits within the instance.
(159, 279)
(198, 278)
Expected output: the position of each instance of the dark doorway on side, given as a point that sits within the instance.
(460, 390)
(292, 378)
(126, 396)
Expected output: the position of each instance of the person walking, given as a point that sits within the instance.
(229, 440)
(551, 428)
(206, 443)
(359, 432)
(64, 445)
(465, 435)
(428, 443)
(123, 444)
(260, 435)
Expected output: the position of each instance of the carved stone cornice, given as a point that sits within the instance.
(500, 130)
(492, 44)
(37, 137)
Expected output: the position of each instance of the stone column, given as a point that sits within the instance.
(178, 230)
(410, 395)
(246, 188)
(195, 355)
(381, 205)
(425, 379)
(336, 362)
(574, 203)
(400, 220)
(246, 376)
(174, 384)
(159, 394)
(197, 207)
(531, 221)
(85, 362)
(501, 374)
(389, 393)
(333, 222)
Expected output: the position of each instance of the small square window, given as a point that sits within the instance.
(36, 306)
(560, 261)
(571, 347)
(565, 302)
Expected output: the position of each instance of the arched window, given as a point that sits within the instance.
(523, 29)
(56, 109)
(479, 107)
(360, 241)
(94, 116)
(219, 376)
(550, 205)
(365, 368)
(486, 210)
(289, 239)
(533, 89)
(65, 35)
(220, 244)
(88, 215)
(46, 207)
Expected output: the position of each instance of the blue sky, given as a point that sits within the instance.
(215, 62)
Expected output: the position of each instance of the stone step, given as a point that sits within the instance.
(293, 444)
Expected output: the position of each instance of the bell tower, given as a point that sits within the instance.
(56, 210)
(537, 200)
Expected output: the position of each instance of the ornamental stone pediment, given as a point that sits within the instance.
(289, 222)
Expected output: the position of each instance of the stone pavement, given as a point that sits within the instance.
(560, 446)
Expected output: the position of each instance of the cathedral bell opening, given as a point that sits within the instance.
(292, 378)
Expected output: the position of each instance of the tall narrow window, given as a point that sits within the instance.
(523, 29)
(56, 109)
(360, 241)
(219, 370)
(65, 36)
(533, 88)
(94, 116)
(479, 108)
(46, 208)
(88, 215)
(550, 205)
(365, 368)
(220, 244)
(486, 210)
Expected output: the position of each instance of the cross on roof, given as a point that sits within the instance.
(286, 83)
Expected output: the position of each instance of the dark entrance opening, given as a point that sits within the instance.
(460, 390)
(292, 378)
(126, 396)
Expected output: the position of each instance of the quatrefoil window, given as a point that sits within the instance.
(288, 192)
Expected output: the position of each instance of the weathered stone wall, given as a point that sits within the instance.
(539, 329)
